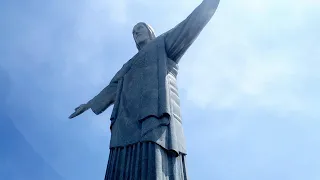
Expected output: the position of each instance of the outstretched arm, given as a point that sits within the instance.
(105, 98)
(179, 39)
(108, 95)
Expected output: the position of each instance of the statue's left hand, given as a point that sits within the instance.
(79, 110)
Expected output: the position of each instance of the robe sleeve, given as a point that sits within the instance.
(179, 39)
(108, 95)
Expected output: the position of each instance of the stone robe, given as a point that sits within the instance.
(144, 91)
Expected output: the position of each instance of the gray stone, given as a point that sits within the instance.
(146, 114)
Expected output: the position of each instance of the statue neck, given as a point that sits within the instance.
(143, 44)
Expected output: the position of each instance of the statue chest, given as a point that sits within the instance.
(144, 70)
(149, 86)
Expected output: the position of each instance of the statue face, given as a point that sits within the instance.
(140, 33)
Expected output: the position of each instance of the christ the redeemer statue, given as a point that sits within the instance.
(147, 140)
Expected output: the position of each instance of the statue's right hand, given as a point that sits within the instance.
(79, 110)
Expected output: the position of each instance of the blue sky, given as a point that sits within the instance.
(249, 86)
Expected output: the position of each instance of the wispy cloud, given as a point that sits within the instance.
(262, 58)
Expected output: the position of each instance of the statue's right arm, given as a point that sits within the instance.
(104, 99)
(107, 96)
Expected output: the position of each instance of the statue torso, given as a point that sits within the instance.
(148, 89)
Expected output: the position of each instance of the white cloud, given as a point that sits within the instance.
(248, 57)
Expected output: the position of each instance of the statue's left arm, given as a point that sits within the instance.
(179, 39)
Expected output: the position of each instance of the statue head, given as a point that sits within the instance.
(142, 34)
